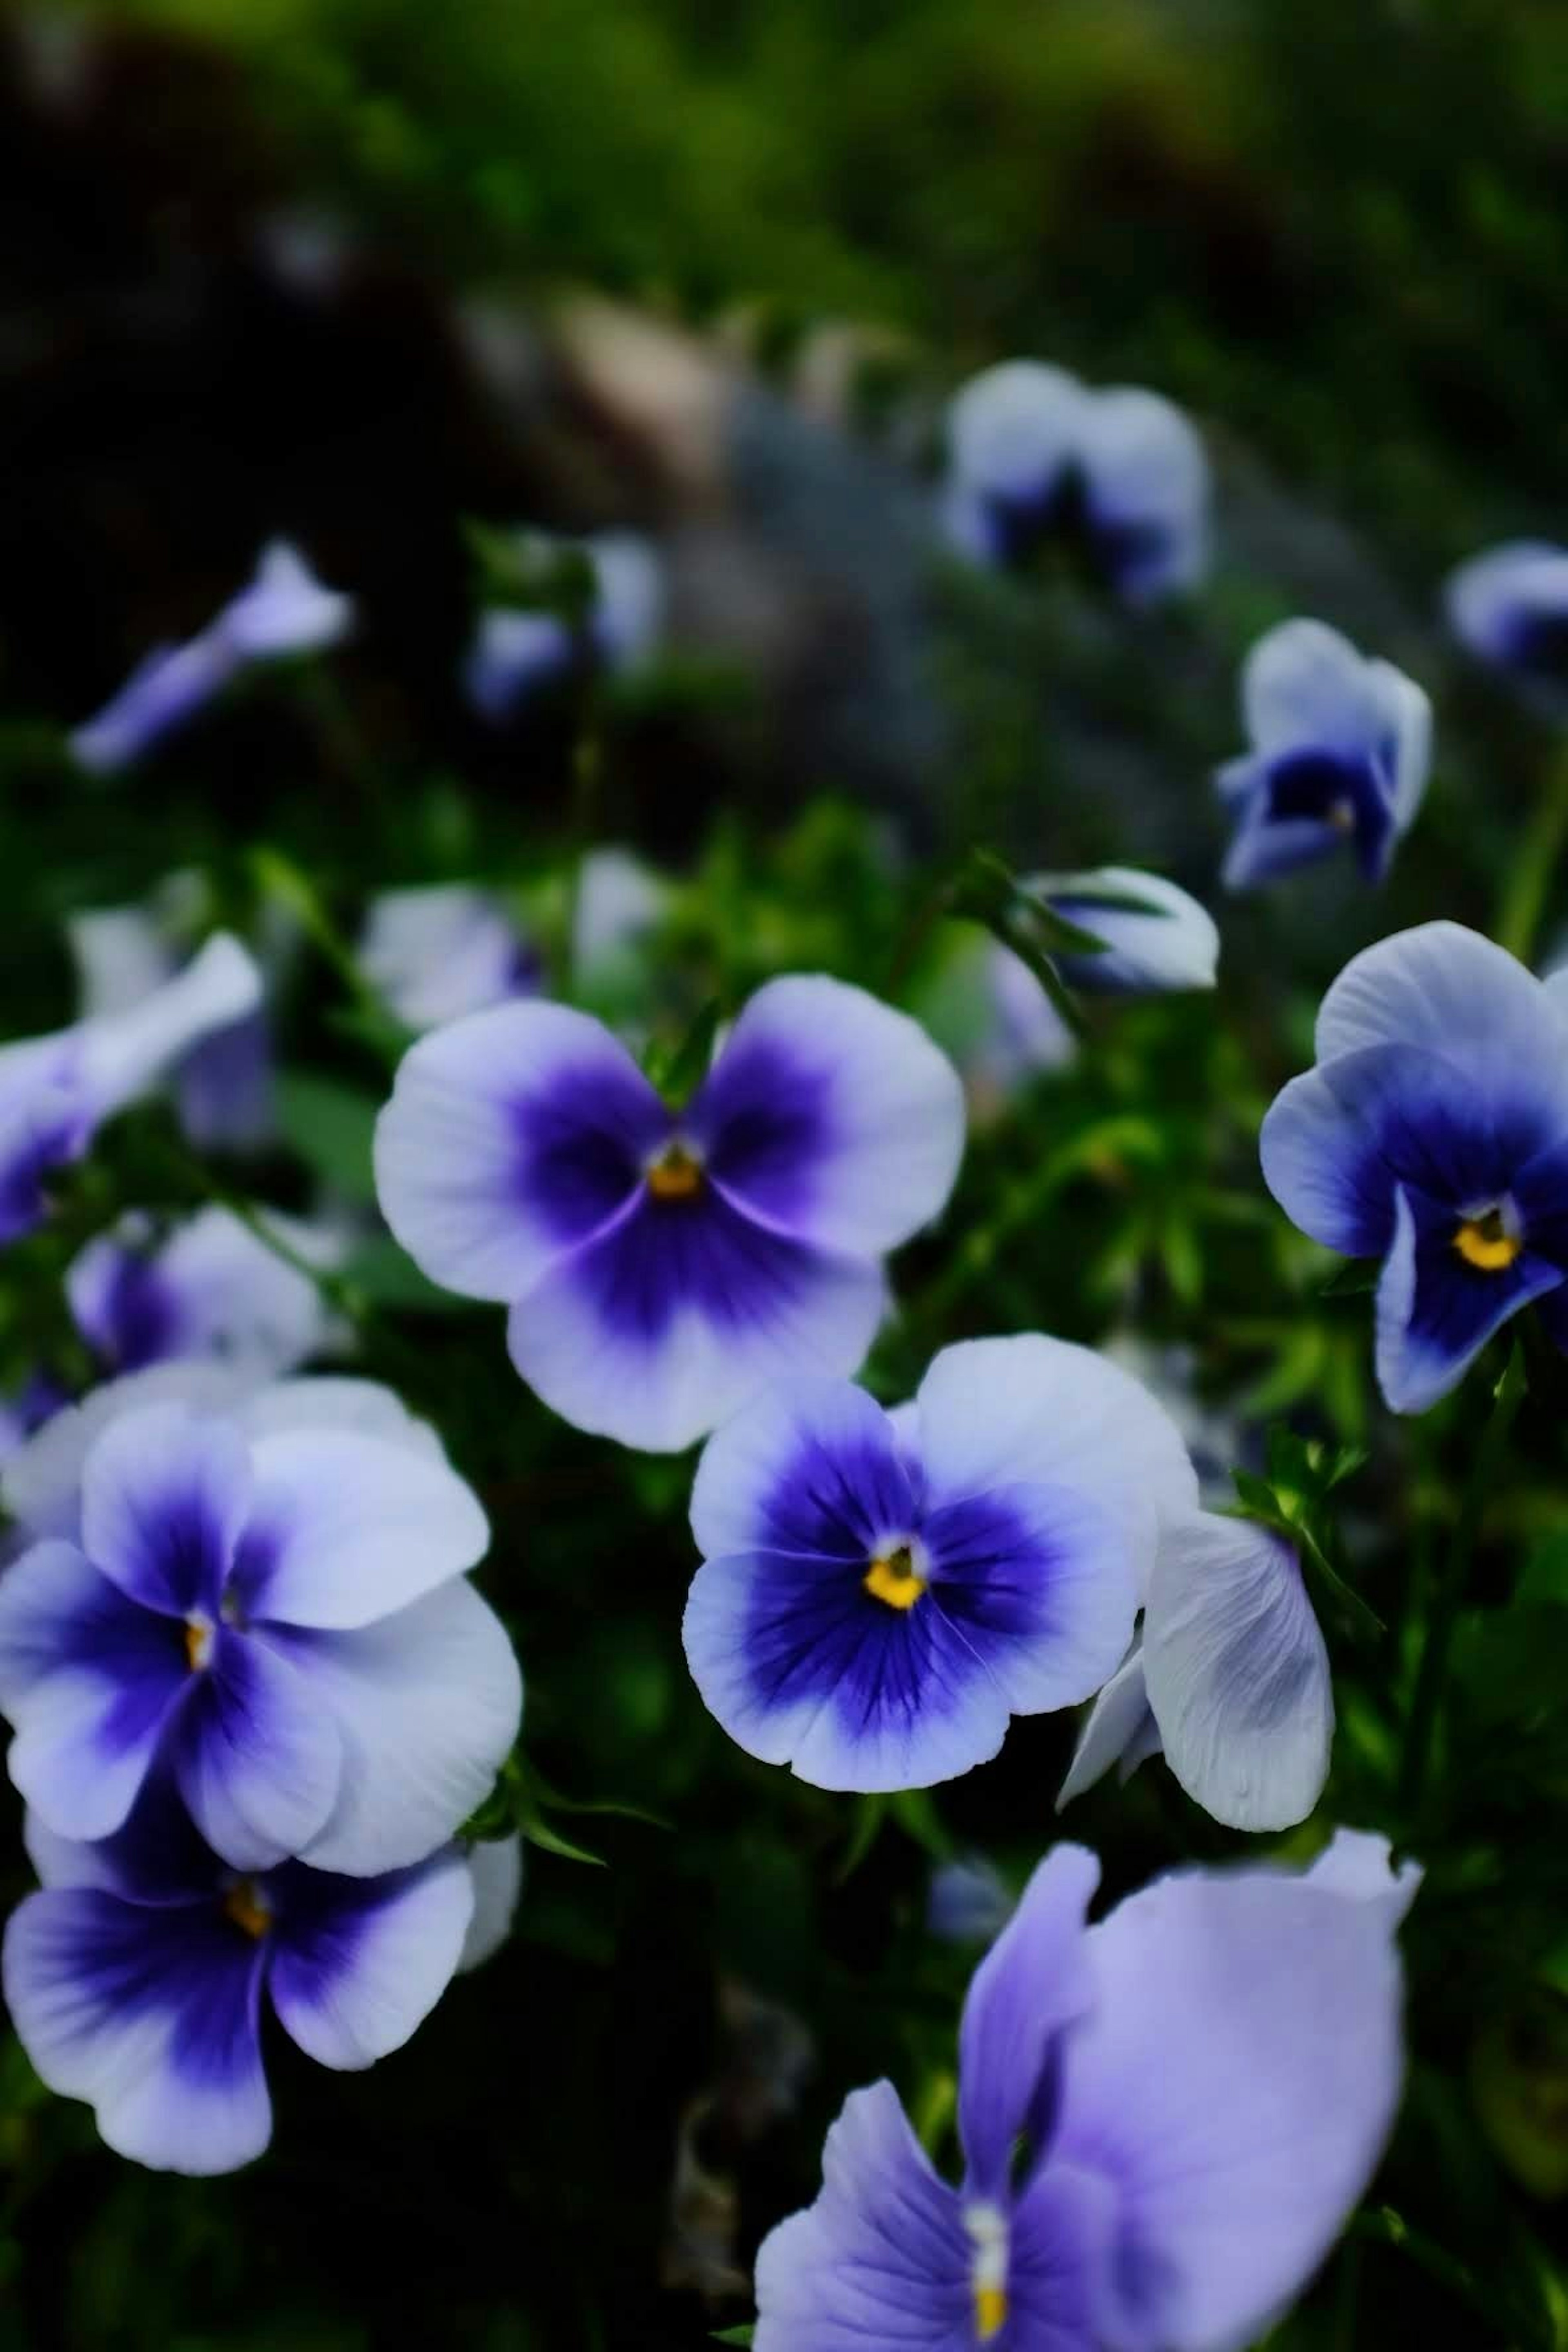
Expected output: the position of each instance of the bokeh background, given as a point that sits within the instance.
(372, 272)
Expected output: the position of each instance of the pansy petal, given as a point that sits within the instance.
(831, 1118)
(512, 652)
(1175, 944)
(1359, 1864)
(42, 1485)
(284, 609)
(152, 2015)
(1234, 2080)
(665, 1326)
(121, 956)
(1324, 1169)
(344, 1528)
(1119, 1729)
(1304, 683)
(512, 1135)
(1449, 992)
(1435, 1312)
(1015, 427)
(1146, 489)
(166, 1492)
(427, 1704)
(323, 1401)
(1504, 600)
(881, 2259)
(256, 1755)
(360, 1963)
(1408, 711)
(810, 1466)
(124, 1051)
(495, 1869)
(1034, 1982)
(439, 951)
(169, 686)
(1043, 1583)
(1061, 2239)
(1238, 1673)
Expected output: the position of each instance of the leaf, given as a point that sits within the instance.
(385, 1276)
(678, 1073)
(734, 2335)
(870, 1813)
(1352, 1280)
(331, 1126)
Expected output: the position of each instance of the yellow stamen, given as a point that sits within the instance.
(247, 1908)
(1341, 816)
(990, 2312)
(1482, 1242)
(676, 1176)
(198, 1643)
(892, 1579)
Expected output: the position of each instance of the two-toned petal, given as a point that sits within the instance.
(1435, 1311)
(256, 1758)
(165, 1495)
(358, 1963)
(812, 1467)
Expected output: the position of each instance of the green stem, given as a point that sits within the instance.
(1386, 2227)
(1535, 867)
(1448, 1591)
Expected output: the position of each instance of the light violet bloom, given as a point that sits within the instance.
(57, 1091)
(516, 651)
(1033, 452)
(663, 1265)
(276, 1616)
(136, 1978)
(881, 1592)
(1510, 607)
(1433, 1134)
(1164, 944)
(433, 954)
(1165, 2120)
(210, 1288)
(1342, 747)
(284, 610)
(1229, 1679)
(495, 1867)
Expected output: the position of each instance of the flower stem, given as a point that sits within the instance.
(1534, 868)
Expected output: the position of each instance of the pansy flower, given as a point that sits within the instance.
(1033, 452)
(137, 1977)
(57, 1091)
(211, 1286)
(1433, 1134)
(1510, 607)
(515, 650)
(662, 1265)
(881, 1592)
(278, 1616)
(435, 953)
(1164, 2119)
(283, 610)
(1341, 747)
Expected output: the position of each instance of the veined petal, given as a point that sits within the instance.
(1043, 1583)
(809, 1467)
(1238, 1674)
(1033, 1983)
(361, 1962)
(1062, 2240)
(1119, 1729)
(256, 1758)
(345, 1530)
(166, 1492)
(1446, 991)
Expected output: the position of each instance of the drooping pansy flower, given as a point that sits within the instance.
(1341, 749)
(136, 1977)
(516, 650)
(1433, 1134)
(434, 953)
(662, 1265)
(283, 610)
(57, 1091)
(1510, 607)
(1032, 452)
(275, 1613)
(881, 1592)
(1164, 2120)
(211, 1286)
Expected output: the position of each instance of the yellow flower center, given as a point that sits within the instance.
(987, 2230)
(247, 1906)
(990, 2312)
(198, 1643)
(1485, 1244)
(892, 1577)
(676, 1174)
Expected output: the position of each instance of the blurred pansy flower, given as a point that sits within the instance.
(283, 610)
(662, 1265)
(881, 1592)
(137, 1975)
(1433, 1134)
(516, 650)
(1155, 939)
(279, 1620)
(211, 1286)
(433, 954)
(57, 1091)
(1165, 2120)
(968, 1901)
(1229, 1679)
(1341, 749)
(1510, 607)
(1033, 452)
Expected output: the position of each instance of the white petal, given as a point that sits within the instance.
(120, 957)
(359, 1408)
(436, 954)
(379, 1962)
(1119, 1729)
(1012, 428)
(357, 1529)
(1303, 686)
(121, 1052)
(1408, 708)
(42, 1485)
(1453, 993)
(495, 1866)
(1359, 1864)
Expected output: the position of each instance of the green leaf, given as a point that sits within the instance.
(331, 1126)
(678, 1073)
(734, 2335)
(1352, 1280)
(870, 1814)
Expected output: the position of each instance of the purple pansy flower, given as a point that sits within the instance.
(880, 1592)
(433, 954)
(1165, 2120)
(283, 610)
(662, 1265)
(57, 1091)
(1340, 751)
(1434, 1134)
(210, 1288)
(275, 1616)
(1031, 451)
(516, 650)
(1510, 607)
(136, 1977)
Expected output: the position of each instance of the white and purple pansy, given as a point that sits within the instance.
(1510, 607)
(436, 952)
(516, 650)
(1155, 938)
(57, 1091)
(1032, 453)
(210, 1286)
(1164, 2120)
(662, 1265)
(1340, 748)
(880, 1593)
(137, 1977)
(275, 1613)
(1433, 1134)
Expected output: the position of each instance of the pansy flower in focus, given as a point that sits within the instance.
(660, 1264)
(434, 953)
(1433, 1134)
(1340, 748)
(881, 1592)
(1165, 2118)
(1509, 607)
(137, 1975)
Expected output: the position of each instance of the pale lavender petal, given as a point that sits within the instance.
(345, 1530)
(332, 1402)
(1119, 1729)
(1173, 946)
(166, 1492)
(121, 956)
(360, 1963)
(513, 652)
(1031, 1985)
(168, 687)
(1510, 604)
(495, 1867)
(1146, 490)
(1014, 428)
(629, 615)
(1304, 683)
(1449, 992)
(284, 610)
(256, 1757)
(436, 954)
(212, 1289)
(42, 1486)
(1359, 1864)
(122, 1053)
